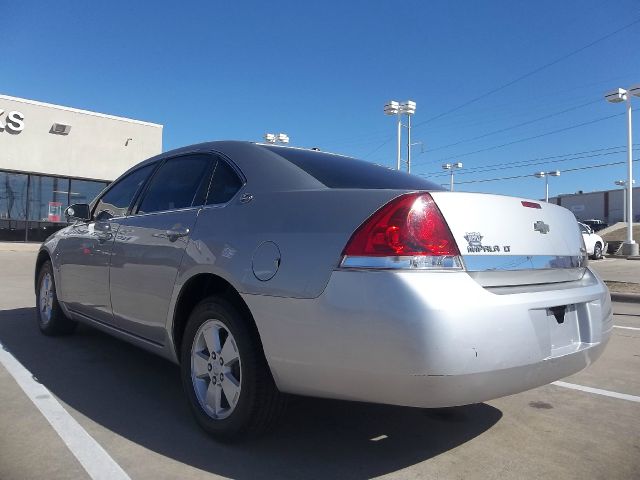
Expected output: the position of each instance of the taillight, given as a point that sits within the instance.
(408, 232)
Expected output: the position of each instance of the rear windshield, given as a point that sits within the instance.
(336, 171)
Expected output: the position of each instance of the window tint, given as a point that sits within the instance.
(583, 228)
(336, 171)
(176, 184)
(116, 201)
(225, 184)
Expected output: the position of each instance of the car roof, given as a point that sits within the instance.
(278, 168)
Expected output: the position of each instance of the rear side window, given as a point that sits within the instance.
(118, 198)
(177, 183)
(224, 185)
(336, 171)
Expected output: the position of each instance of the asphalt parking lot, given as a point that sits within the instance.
(130, 404)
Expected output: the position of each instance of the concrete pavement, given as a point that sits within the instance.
(617, 269)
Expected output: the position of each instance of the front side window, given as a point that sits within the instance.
(177, 184)
(118, 198)
(224, 185)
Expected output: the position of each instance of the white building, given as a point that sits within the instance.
(51, 156)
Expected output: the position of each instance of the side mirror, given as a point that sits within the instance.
(78, 211)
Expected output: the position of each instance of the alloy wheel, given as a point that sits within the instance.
(46, 296)
(216, 369)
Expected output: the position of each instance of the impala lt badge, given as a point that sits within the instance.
(541, 227)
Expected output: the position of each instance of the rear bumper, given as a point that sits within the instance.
(429, 339)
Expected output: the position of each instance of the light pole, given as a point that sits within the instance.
(546, 175)
(623, 184)
(279, 138)
(629, 247)
(451, 167)
(409, 109)
(393, 108)
(396, 108)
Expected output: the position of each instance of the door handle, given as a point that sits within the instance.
(174, 235)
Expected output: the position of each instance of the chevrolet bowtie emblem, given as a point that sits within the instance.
(541, 227)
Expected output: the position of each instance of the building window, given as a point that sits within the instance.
(32, 206)
(13, 206)
(84, 191)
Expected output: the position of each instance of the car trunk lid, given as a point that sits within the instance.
(513, 241)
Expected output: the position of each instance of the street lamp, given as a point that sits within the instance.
(396, 108)
(619, 95)
(546, 175)
(393, 108)
(279, 138)
(451, 167)
(623, 184)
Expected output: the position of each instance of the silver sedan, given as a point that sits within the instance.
(265, 270)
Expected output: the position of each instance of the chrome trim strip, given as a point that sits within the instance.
(409, 262)
(501, 278)
(484, 263)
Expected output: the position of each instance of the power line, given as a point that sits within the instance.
(528, 122)
(440, 174)
(569, 170)
(389, 138)
(528, 74)
(552, 132)
(536, 161)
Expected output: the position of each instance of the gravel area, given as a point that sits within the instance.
(623, 287)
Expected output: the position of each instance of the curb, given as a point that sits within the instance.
(625, 297)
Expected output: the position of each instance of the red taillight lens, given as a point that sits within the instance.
(408, 225)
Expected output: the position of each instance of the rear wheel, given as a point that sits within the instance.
(225, 375)
(597, 251)
(51, 319)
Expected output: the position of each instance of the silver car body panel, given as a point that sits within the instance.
(428, 339)
(422, 338)
(144, 266)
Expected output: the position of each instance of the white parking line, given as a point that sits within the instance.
(626, 328)
(95, 460)
(598, 391)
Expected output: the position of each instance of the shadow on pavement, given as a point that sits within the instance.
(138, 396)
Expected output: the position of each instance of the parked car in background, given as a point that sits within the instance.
(595, 224)
(265, 270)
(593, 242)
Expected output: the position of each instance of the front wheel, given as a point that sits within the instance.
(51, 319)
(225, 375)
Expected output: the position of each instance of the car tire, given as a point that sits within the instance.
(232, 398)
(51, 319)
(597, 251)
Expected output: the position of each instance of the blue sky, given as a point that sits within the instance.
(322, 71)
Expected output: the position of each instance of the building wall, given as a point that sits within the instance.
(607, 206)
(96, 146)
(42, 172)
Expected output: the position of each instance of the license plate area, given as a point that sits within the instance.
(564, 329)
